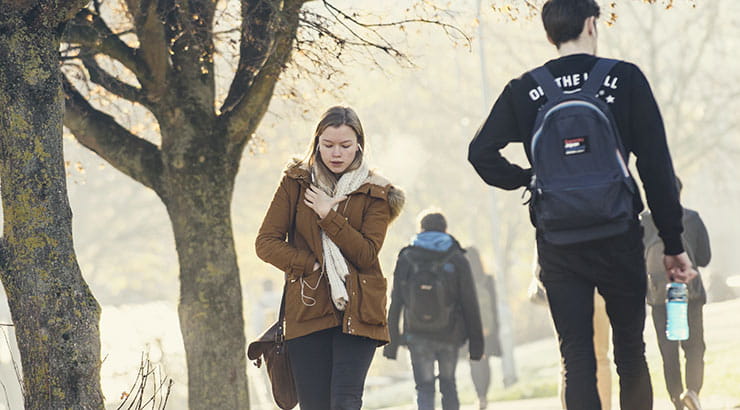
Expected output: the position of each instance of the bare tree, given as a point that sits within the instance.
(166, 49)
(55, 315)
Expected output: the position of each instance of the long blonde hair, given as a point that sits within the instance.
(333, 117)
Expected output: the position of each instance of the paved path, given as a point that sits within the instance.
(552, 403)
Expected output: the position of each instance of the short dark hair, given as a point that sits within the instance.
(563, 19)
(433, 222)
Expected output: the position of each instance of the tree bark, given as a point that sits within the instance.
(194, 168)
(55, 315)
(210, 308)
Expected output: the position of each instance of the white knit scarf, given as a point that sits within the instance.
(334, 263)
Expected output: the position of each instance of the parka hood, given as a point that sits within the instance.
(433, 241)
(375, 185)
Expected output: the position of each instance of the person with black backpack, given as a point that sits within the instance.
(434, 289)
(579, 118)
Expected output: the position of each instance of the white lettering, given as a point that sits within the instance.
(558, 82)
(611, 82)
(567, 81)
(576, 79)
(536, 93)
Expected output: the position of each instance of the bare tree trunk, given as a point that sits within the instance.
(55, 314)
(210, 308)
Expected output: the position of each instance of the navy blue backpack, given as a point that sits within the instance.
(581, 187)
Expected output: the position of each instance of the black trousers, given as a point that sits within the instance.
(616, 268)
(693, 349)
(329, 368)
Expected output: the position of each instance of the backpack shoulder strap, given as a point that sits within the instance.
(406, 254)
(448, 256)
(597, 75)
(441, 262)
(544, 78)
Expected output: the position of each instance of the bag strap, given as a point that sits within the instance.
(597, 75)
(280, 336)
(544, 78)
(415, 265)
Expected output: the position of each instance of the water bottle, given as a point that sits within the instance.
(677, 314)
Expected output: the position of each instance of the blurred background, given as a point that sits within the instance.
(419, 116)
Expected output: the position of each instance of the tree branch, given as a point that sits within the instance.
(256, 39)
(189, 34)
(153, 49)
(99, 76)
(336, 13)
(99, 132)
(242, 120)
(90, 31)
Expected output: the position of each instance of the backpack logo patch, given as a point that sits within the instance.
(574, 146)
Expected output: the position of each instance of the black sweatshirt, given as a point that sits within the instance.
(627, 93)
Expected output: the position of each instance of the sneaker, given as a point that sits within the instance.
(691, 400)
(482, 403)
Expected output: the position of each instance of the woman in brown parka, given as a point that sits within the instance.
(324, 229)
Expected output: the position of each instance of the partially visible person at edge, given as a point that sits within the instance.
(696, 242)
(324, 229)
(614, 265)
(485, 287)
(433, 246)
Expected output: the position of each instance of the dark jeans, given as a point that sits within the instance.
(329, 368)
(616, 268)
(424, 353)
(693, 349)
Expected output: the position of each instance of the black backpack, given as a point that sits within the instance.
(429, 293)
(581, 187)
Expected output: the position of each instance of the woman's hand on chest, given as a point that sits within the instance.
(320, 202)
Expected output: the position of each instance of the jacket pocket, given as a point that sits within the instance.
(372, 300)
(310, 296)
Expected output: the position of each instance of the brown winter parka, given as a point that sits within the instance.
(357, 227)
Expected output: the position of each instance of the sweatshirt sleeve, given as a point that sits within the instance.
(394, 312)
(484, 150)
(654, 163)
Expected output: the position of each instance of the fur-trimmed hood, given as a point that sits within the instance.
(375, 185)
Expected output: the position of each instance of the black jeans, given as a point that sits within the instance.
(693, 349)
(424, 354)
(616, 268)
(329, 368)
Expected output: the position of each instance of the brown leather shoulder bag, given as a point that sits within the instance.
(272, 349)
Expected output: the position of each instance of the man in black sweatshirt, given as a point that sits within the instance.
(613, 265)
